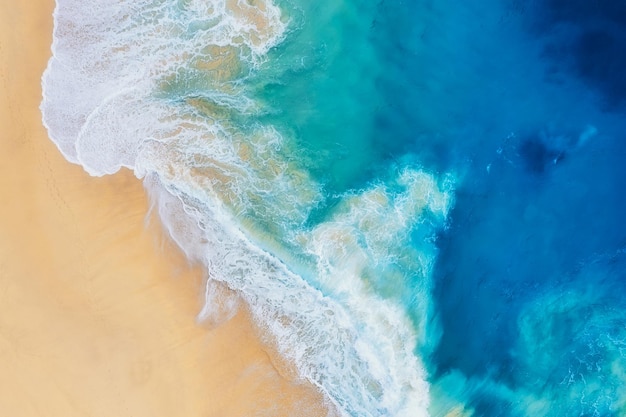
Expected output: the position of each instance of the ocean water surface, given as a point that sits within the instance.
(420, 201)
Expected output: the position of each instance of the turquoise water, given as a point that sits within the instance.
(420, 201)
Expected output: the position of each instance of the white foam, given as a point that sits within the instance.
(104, 48)
(224, 192)
(358, 350)
(356, 346)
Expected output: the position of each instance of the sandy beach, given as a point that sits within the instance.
(98, 310)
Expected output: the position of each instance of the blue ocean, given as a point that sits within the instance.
(420, 201)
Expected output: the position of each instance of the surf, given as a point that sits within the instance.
(166, 88)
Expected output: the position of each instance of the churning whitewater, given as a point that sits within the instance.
(167, 89)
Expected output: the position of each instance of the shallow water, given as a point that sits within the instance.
(420, 200)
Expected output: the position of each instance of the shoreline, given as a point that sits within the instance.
(97, 311)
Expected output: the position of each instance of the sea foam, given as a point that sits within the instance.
(159, 87)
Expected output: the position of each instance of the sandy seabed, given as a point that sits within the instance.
(97, 311)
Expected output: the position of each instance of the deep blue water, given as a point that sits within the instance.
(525, 103)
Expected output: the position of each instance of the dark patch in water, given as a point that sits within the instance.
(587, 10)
(588, 39)
(537, 156)
(601, 59)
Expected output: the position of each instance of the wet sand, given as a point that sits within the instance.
(97, 311)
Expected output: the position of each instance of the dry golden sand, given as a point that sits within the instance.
(96, 318)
